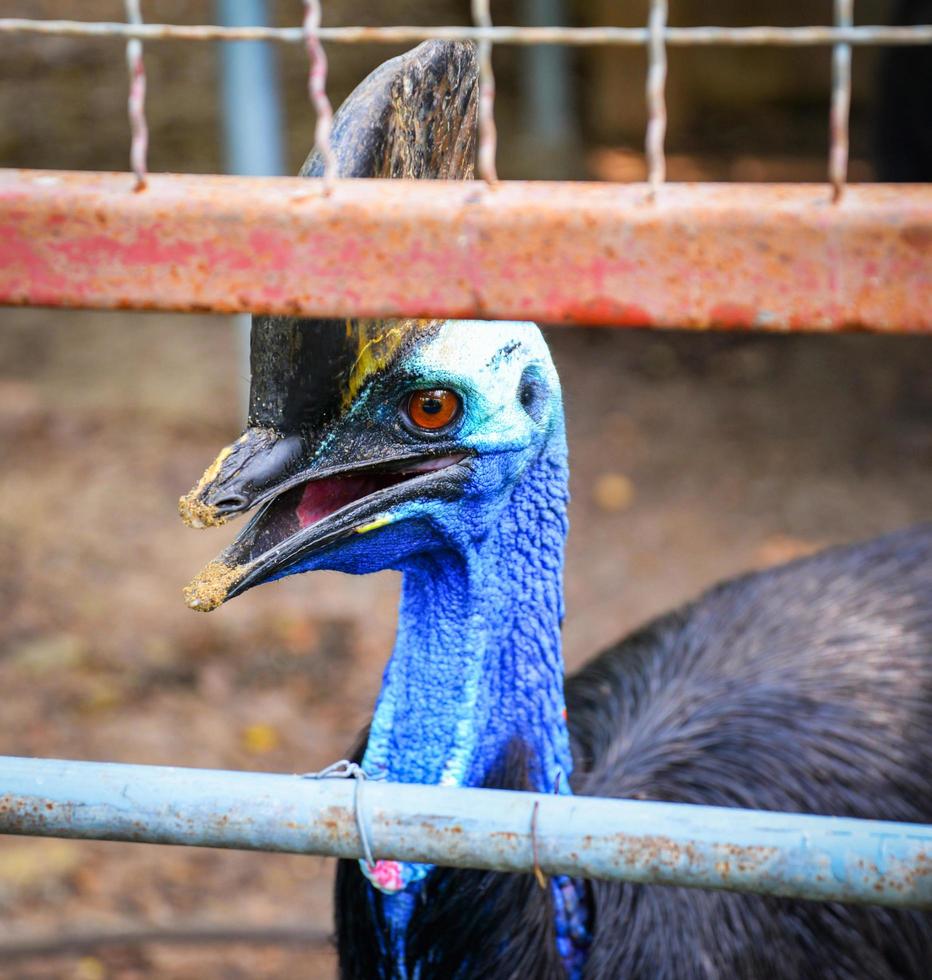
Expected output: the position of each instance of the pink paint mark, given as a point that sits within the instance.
(145, 249)
(273, 249)
(25, 269)
(386, 876)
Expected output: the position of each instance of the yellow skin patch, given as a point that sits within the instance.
(212, 584)
(378, 341)
(373, 525)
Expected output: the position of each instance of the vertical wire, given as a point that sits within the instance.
(317, 88)
(841, 103)
(656, 96)
(139, 144)
(488, 137)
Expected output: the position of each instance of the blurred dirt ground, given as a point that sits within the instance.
(693, 457)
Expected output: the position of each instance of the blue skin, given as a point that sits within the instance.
(477, 659)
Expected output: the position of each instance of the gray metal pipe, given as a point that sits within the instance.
(552, 147)
(252, 122)
(786, 854)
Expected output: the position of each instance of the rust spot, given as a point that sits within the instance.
(732, 316)
(918, 237)
(604, 311)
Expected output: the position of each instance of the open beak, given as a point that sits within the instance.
(300, 514)
(315, 473)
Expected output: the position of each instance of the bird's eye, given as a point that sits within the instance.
(432, 408)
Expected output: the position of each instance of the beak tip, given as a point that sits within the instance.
(212, 585)
(194, 512)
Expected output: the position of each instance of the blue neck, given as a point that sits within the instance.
(477, 662)
(477, 667)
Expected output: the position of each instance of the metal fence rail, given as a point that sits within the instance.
(785, 854)
(728, 256)
(734, 256)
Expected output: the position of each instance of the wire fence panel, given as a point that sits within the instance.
(786, 854)
(769, 257)
(656, 36)
(739, 257)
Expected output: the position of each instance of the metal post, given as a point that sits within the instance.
(787, 854)
(252, 123)
(548, 98)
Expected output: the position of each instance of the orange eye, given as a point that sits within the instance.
(433, 408)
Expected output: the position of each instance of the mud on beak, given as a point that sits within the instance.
(303, 506)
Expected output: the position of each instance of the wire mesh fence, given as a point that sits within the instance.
(655, 37)
(859, 264)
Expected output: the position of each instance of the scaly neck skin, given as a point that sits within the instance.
(477, 661)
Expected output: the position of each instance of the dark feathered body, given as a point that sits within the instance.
(804, 688)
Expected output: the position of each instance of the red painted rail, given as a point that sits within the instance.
(779, 257)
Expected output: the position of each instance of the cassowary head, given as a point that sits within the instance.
(372, 441)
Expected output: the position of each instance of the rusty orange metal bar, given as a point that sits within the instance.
(772, 257)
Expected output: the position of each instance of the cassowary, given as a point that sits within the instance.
(438, 449)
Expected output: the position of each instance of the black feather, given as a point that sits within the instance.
(805, 688)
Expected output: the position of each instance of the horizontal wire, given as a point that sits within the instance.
(575, 36)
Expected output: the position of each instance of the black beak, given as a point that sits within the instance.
(331, 507)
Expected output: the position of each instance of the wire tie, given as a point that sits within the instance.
(345, 769)
(840, 103)
(538, 874)
(656, 97)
